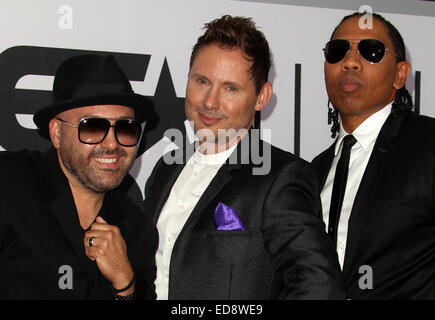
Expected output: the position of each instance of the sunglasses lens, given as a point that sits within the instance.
(93, 130)
(335, 50)
(127, 132)
(372, 50)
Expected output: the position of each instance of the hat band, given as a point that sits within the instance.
(90, 90)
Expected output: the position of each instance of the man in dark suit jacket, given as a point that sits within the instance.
(233, 225)
(67, 231)
(385, 231)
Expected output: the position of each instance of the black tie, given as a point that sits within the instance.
(339, 187)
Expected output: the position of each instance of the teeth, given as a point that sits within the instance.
(105, 160)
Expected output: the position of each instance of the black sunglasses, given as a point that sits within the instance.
(372, 50)
(94, 130)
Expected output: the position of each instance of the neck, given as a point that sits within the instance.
(88, 203)
(352, 121)
(214, 147)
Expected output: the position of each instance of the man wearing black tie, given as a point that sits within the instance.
(377, 179)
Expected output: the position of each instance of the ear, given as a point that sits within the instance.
(54, 131)
(402, 70)
(263, 96)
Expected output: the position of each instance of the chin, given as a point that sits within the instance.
(206, 134)
(104, 185)
(103, 188)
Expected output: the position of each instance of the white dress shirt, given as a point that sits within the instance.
(195, 177)
(365, 134)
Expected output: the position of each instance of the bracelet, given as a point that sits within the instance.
(125, 288)
(116, 296)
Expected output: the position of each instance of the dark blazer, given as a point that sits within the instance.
(40, 232)
(284, 252)
(392, 223)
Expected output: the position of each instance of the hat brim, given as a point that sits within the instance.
(143, 107)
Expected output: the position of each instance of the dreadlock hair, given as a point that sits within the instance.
(403, 100)
(333, 118)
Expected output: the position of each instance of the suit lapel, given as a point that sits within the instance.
(62, 203)
(241, 155)
(323, 164)
(223, 176)
(162, 187)
(379, 158)
(162, 184)
(65, 212)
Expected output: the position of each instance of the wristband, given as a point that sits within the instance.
(125, 288)
(116, 296)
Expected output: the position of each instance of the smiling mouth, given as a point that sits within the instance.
(209, 120)
(106, 160)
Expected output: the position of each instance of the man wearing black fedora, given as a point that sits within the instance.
(67, 231)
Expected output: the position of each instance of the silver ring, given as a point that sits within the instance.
(91, 241)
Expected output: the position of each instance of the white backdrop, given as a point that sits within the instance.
(168, 29)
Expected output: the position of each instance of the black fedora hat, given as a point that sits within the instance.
(88, 80)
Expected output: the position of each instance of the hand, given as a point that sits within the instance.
(109, 251)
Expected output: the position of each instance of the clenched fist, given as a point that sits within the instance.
(105, 245)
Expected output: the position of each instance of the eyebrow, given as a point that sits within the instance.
(232, 83)
(228, 83)
(197, 74)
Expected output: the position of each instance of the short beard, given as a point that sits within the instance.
(90, 178)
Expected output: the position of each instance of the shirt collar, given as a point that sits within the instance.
(212, 159)
(367, 132)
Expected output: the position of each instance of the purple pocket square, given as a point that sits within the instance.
(226, 218)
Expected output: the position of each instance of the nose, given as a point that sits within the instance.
(211, 99)
(110, 142)
(352, 60)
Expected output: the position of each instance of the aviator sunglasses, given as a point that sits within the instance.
(94, 130)
(372, 50)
